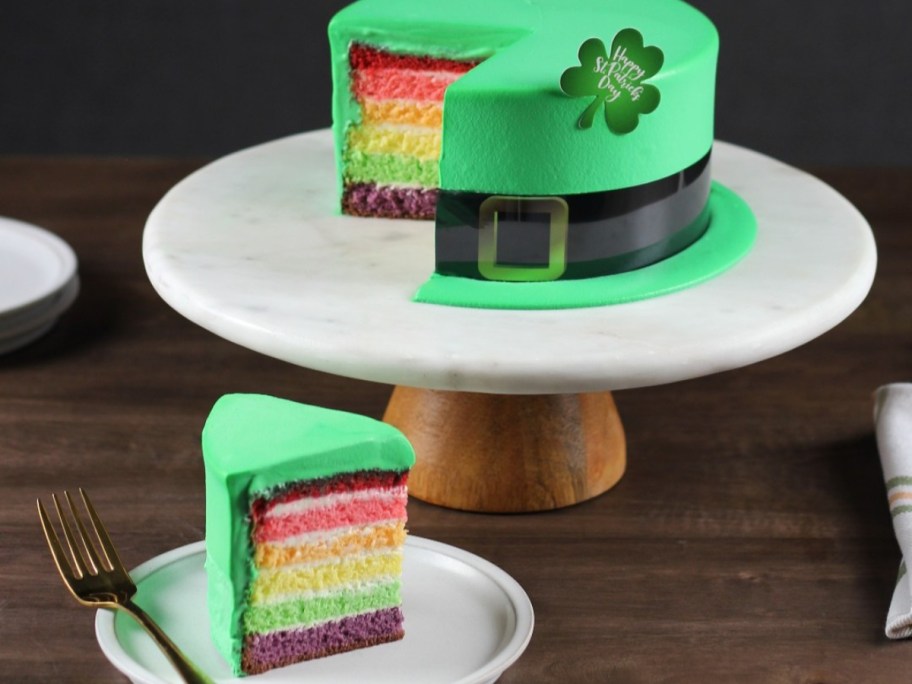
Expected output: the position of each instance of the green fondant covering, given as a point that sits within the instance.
(274, 616)
(251, 444)
(507, 127)
(390, 169)
(729, 237)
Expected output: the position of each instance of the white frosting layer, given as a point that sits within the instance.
(307, 504)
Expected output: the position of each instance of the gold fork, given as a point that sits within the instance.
(96, 577)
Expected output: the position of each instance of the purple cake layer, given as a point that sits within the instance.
(387, 201)
(277, 649)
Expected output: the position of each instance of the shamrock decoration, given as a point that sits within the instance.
(617, 81)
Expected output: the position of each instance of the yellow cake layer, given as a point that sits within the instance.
(271, 556)
(410, 141)
(271, 585)
(412, 113)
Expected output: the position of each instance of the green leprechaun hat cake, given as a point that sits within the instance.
(559, 145)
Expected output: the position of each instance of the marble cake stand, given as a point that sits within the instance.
(508, 410)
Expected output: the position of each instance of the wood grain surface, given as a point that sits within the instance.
(748, 541)
(497, 453)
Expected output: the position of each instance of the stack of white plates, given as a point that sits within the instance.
(38, 282)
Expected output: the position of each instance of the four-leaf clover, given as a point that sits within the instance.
(616, 80)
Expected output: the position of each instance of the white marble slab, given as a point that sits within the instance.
(250, 249)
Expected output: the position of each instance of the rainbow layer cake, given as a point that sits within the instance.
(392, 153)
(305, 526)
(550, 139)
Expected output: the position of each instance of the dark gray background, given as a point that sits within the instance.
(812, 82)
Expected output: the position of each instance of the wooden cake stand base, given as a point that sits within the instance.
(500, 453)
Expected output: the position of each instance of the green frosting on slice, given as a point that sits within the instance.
(253, 443)
(307, 612)
(386, 169)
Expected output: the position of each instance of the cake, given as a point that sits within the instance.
(391, 154)
(549, 139)
(305, 527)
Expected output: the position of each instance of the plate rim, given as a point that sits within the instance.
(51, 243)
(8, 345)
(507, 654)
(51, 308)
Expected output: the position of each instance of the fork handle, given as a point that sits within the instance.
(190, 672)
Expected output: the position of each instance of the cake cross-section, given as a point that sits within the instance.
(305, 528)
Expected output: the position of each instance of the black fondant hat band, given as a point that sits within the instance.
(566, 237)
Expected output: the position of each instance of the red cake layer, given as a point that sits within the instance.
(364, 512)
(381, 83)
(362, 56)
(345, 482)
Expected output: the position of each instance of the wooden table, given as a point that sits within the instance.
(749, 540)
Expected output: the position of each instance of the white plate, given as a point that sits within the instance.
(10, 344)
(34, 265)
(39, 315)
(466, 621)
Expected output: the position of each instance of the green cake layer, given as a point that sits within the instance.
(310, 611)
(507, 127)
(391, 169)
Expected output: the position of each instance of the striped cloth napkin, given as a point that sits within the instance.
(893, 421)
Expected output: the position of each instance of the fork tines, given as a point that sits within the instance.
(88, 554)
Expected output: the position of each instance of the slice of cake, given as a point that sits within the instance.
(305, 526)
(391, 155)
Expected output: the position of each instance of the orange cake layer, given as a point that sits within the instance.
(406, 112)
(270, 555)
